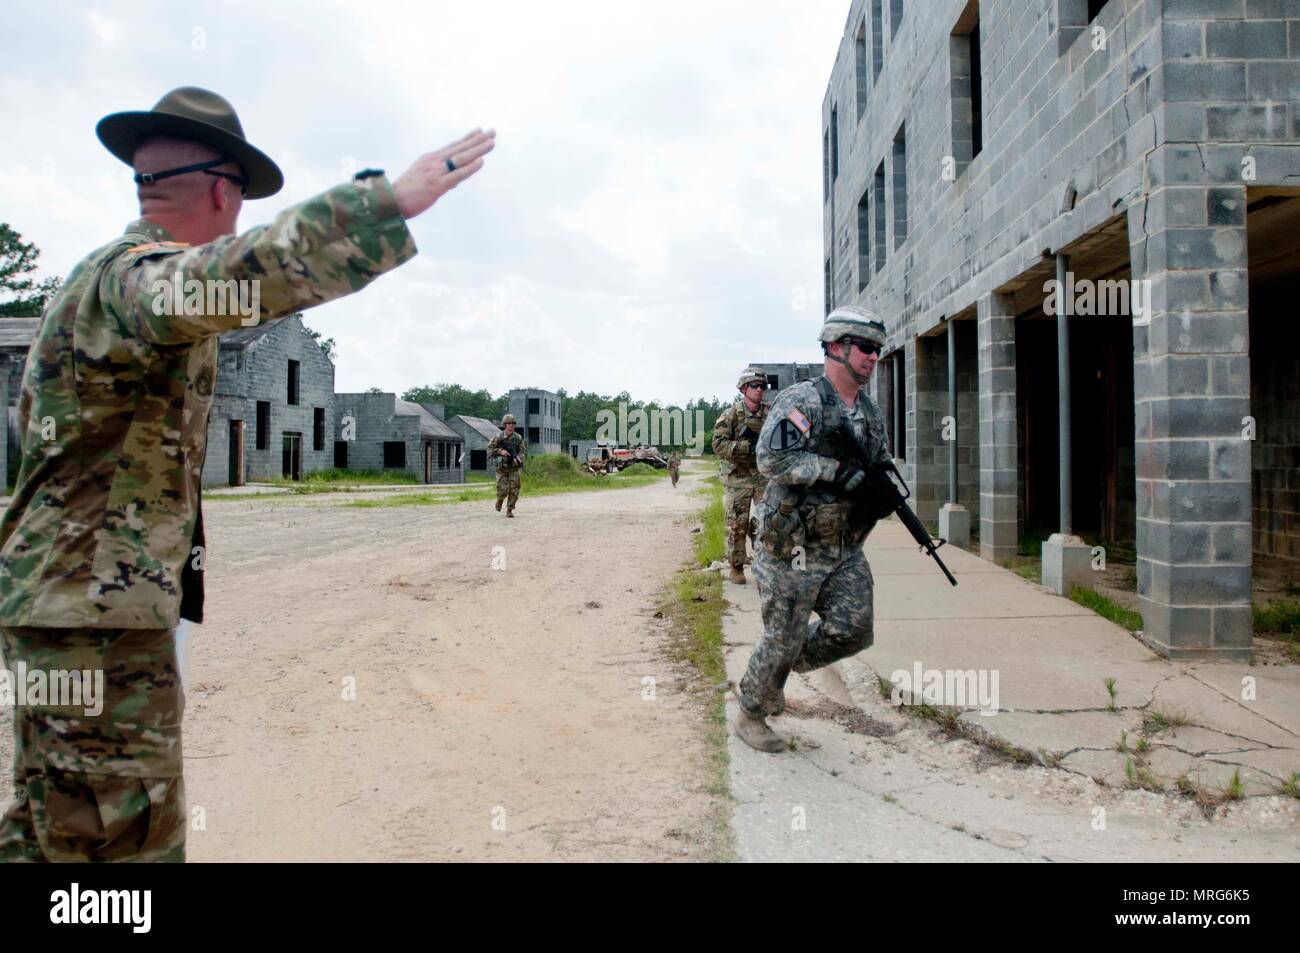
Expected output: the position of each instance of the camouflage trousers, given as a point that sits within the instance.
(839, 591)
(737, 496)
(508, 487)
(104, 787)
(673, 473)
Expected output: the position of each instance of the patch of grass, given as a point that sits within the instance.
(1106, 608)
(1156, 720)
(693, 602)
(711, 541)
(543, 475)
(1235, 789)
(1291, 786)
(421, 499)
(1139, 775)
(1278, 620)
(352, 477)
(476, 477)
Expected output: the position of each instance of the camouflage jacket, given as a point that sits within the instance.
(515, 443)
(734, 445)
(792, 456)
(105, 529)
(674, 461)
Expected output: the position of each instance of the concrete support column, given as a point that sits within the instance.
(999, 474)
(954, 519)
(1192, 393)
(930, 406)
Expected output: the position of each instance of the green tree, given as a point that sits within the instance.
(327, 346)
(27, 298)
(460, 400)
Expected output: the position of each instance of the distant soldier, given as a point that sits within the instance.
(102, 547)
(735, 436)
(812, 524)
(674, 465)
(510, 449)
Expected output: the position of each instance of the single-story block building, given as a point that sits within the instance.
(378, 431)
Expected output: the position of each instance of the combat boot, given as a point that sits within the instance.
(753, 730)
(510, 512)
(737, 575)
(499, 502)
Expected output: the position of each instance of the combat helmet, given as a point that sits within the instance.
(851, 321)
(508, 419)
(751, 375)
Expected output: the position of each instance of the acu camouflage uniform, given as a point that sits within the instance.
(812, 562)
(674, 465)
(100, 549)
(508, 481)
(734, 436)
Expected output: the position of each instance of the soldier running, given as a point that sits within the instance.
(734, 438)
(510, 449)
(809, 552)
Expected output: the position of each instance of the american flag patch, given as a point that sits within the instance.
(799, 420)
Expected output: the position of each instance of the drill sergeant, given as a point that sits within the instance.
(808, 555)
(734, 437)
(510, 449)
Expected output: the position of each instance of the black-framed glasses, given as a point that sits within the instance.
(145, 178)
(866, 347)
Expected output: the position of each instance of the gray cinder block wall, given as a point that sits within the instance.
(541, 427)
(379, 418)
(1148, 133)
(254, 366)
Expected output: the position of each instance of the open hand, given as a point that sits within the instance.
(429, 178)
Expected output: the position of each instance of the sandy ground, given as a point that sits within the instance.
(499, 713)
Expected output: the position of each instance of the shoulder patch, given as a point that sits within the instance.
(796, 417)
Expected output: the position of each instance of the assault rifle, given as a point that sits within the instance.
(511, 457)
(880, 494)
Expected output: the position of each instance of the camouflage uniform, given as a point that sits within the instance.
(733, 441)
(835, 580)
(97, 547)
(508, 481)
(674, 465)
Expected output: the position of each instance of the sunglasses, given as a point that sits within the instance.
(145, 178)
(756, 387)
(866, 347)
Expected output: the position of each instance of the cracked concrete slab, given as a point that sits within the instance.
(871, 782)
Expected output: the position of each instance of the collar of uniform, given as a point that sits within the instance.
(153, 231)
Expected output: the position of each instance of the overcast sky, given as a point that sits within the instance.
(650, 220)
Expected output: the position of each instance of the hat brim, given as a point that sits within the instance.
(122, 133)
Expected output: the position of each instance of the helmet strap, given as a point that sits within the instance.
(860, 379)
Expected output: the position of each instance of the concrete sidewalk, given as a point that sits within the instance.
(1051, 658)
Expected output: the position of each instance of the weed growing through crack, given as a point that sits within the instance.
(1110, 690)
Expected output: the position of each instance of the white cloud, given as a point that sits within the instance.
(650, 221)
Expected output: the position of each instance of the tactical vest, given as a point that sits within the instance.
(826, 520)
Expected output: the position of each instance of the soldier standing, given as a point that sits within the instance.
(510, 449)
(101, 548)
(808, 556)
(735, 436)
(674, 465)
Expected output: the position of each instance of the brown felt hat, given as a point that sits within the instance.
(198, 114)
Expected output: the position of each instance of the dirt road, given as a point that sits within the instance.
(498, 713)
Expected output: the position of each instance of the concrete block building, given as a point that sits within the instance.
(1147, 152)
(16, 336)
(273, 406)
(537, 415)
(378, 431)
(475, 432)
(781, 376)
